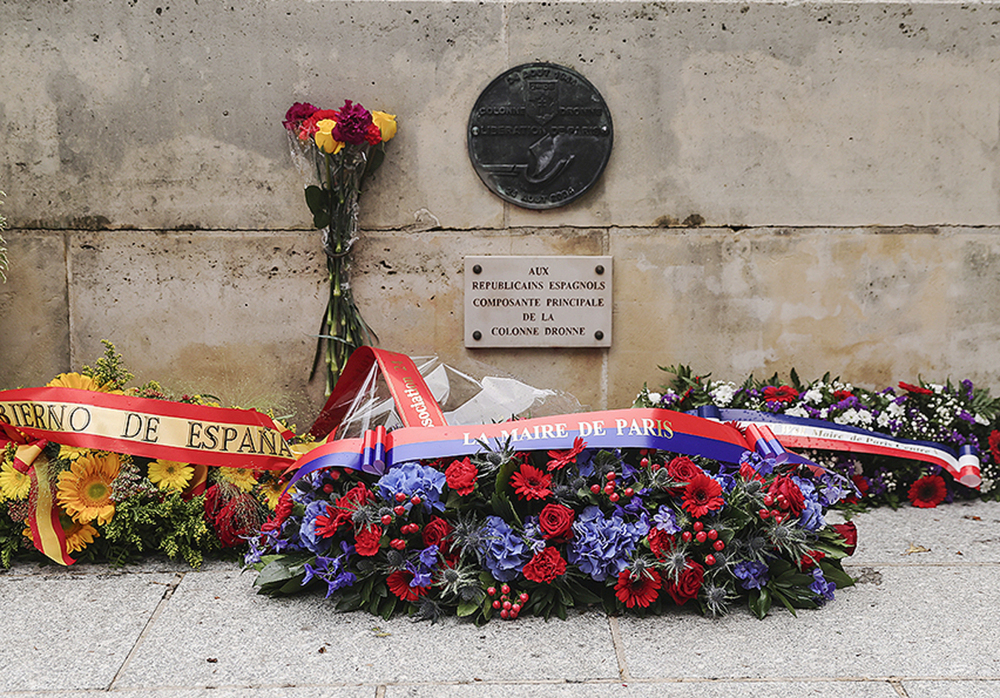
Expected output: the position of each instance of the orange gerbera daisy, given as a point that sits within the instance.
(78, 535)
(85, 489)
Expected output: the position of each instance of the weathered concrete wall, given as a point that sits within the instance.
(808, 185)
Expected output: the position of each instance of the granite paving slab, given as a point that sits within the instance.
(677, 689)
(912, 621)
(217, 632)
(951, 533)
(69, 630)
(951, 689)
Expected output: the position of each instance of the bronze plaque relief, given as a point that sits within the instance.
(540, 135)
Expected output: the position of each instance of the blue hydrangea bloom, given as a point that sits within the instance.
(310, 540)
(503, 552)
(752, 574)
(413, 479)
(603, 546)
(533, 535)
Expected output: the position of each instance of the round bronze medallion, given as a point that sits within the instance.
(540, 135)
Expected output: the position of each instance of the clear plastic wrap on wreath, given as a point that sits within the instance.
(464, 399)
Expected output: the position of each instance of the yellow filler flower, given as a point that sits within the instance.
(170, 475)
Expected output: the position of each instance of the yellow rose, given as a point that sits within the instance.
(386, 124)
(324, 137)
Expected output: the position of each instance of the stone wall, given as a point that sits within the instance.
(808, 185)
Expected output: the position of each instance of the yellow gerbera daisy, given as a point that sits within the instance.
(239, 477)
(85, 489)
(71, 453)
(13, 484)
(272, 492)
(170, 475)
(77, 380)
(78, 535)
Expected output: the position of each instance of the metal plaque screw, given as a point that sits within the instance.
(477, 335)
(477, 269)
(598, 335)
(599, 269)
(475, 130)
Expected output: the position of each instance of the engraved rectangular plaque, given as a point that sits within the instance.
(537, 301)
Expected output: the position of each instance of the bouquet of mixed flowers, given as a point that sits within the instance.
(957, 416)
(114, 507)
(339, 148)
(507, 532)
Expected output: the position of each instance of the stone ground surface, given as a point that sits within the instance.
(919, 623)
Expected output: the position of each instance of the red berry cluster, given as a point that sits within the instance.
(509, 604)
(700, 534)
(611, 489)
(400, 511)
(779, 514)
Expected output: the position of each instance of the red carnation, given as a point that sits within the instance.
(928, 491)
(641, 590)
(366, 541)
(556, 521)
(660, 543)
(531, 483)
(688, 584)
(787, 494)
(781, 393)
(352, 124)
(560, 459)
(995, 445)
(461, 476)
(702, 495)
(849, 532)
(545, 566)
(399, 584)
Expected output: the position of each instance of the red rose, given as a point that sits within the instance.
(556, 521)
(461, 476)
(687, 586)
(849, 532)
(683, 469)
(545, 566)
(787, 494)
(366, 540)
(436, 533)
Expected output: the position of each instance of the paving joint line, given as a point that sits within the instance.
(160, 605)
(616, 641)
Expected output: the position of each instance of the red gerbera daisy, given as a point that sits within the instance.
(782, 393)
(531, 483)
(399, 584)
(928, 491)
(638, 590)
(560, 459)
(702, 495)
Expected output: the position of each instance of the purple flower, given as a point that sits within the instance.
(666, 520)
(352, 126)
(822, 588)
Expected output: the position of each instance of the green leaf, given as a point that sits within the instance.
(760, 602)
(318, 201)
(834, 573)
(467, 608)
